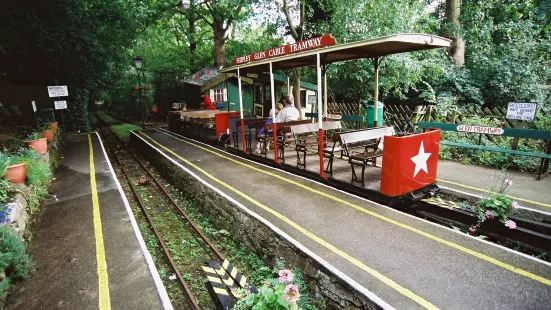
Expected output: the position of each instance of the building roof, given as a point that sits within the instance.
(376, 47)
(206, 76)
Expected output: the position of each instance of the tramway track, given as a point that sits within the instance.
(163, 204)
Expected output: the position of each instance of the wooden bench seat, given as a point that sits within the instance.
(283, 137)
(369, 138)
(306, 136)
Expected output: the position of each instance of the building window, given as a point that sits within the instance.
(219, 95)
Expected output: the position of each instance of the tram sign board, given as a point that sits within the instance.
(325, 40)
(525, 111)
(481, 129)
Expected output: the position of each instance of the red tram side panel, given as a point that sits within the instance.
(409, 163)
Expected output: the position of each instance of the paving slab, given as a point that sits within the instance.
(64, 244)
(408, 262)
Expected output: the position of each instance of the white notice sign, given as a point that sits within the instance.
(34, 106)
(58, 91)
(525, 111)
(60, 105)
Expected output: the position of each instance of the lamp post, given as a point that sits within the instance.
(138, 64)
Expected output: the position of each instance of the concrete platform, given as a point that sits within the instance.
(86, 261)
(407, 262)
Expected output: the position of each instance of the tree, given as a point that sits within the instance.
(297, 32)
(220, 15)
(457, 49)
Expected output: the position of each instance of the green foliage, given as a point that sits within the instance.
(13, 260)
(496, 206)
(38, 176)
(285, 292)
(5, 186)
(12, 145)
(4, 163)
(34, 136)
(493, 159)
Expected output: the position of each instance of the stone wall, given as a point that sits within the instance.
(258, 237)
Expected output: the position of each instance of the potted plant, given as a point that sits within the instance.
(12, 170)
(37, 143)
(46, 132)
(52, 126)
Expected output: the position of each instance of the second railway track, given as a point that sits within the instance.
(183, 244)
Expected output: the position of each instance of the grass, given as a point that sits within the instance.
(123, 130)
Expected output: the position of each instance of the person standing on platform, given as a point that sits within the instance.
(207, 103)
(289, 112)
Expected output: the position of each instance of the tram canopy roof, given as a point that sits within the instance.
(371, 48)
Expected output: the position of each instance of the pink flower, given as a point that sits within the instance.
(515, 205)
(472, 230)
(490, 215)
(508, 182)
(291, 293)
(285, 275)
(511, 224)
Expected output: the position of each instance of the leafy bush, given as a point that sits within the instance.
(38, 176)
(496, 205)
(14, 262)
(4, 163)
(12, 145)
(287, 291)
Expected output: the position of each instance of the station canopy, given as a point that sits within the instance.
(371, 48)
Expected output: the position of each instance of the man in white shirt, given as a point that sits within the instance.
(289, 112)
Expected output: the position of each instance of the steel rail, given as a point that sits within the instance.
(172, 202)
(185, 286)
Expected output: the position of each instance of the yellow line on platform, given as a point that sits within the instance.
(103, 279)
(404, 291)
(487, 191)
(374, 214)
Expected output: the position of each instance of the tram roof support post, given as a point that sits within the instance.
(320, 121)
(325, 91)
(241, 111)
(376, 63)
(272, 95)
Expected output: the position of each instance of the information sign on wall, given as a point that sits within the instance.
(525, 111)
(60, 105)
(312, 100)
(58, 91)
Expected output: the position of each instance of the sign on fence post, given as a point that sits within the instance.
(525, 111)
(34, 112)
(58, 91)
(60, 105)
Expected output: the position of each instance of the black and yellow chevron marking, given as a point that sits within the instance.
(239, 278)
(225, 277)
(219, 287)
(442, 203)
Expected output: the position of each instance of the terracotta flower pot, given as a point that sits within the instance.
(53, 126)
(48, 134)
(16, 174)
(40, 145)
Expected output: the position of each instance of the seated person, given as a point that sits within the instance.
(266, 129)
(184, 108)
(207, 103)
(175, 107)
(289, 112)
